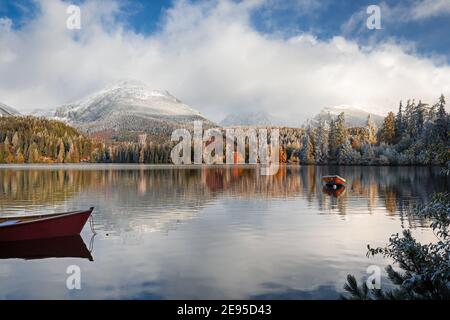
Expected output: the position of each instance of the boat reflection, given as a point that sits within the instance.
(333, 192)
(64, 247)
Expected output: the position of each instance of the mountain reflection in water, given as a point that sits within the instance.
(212, 232)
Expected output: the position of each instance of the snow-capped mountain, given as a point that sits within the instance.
(43, 113)
(255, 118)
(128, 106)
(354, 117)
(7, 110)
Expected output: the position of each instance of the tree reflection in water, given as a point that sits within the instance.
(185, 190)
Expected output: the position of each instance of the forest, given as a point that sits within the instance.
(418, 134)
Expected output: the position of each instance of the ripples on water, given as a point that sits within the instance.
(211, 232)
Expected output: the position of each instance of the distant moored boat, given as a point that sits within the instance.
(333, 181)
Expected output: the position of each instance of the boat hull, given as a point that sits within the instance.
(62, 225)
(333, 181)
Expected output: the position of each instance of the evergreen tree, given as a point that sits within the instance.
(440, 132)
(419, 118)
(409, 118)
(346, 154)
(341, 130)
(332, 145)
(441, 113)
(368, 154)
(399, 123)
(424, 267)
(307, 150)
(321, 143)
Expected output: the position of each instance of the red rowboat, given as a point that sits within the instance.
(43, 226)
(333, 181)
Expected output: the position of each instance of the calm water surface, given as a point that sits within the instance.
(208, 232)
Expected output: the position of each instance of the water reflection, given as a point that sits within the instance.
(65, 247)
(213, 232)
(189, 189)
(137, 199)
(333, 192)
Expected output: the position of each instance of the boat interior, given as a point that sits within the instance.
(11, 220)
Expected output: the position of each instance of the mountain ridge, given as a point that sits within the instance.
(129, 107)
(354, 117)
(6, 110)
(250, 118)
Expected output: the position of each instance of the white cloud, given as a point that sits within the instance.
(5, 24)
(430, 8)
(404, 11)
(209, 56)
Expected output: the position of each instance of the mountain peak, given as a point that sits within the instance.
(250, 118)
(128, 106)
(6, 110)
(354, 117)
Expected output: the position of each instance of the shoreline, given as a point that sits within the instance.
(187, 166)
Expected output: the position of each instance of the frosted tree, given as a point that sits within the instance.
(442, 122)
(332, 139)
(441, 114)
(419, 118)
(368, 154)
(371, 130)
(307, 150)
(409, 118)
(340, 130)
(399, 123)
(424, 267)
(347, 155)
(321, 143)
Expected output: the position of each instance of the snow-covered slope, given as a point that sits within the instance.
(43, 113)
(256, 118)
(7, 110)
(128, 106)
(354, 117)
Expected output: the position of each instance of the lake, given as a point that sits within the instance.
(166, 232)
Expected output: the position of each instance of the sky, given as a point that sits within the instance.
(288, 58)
